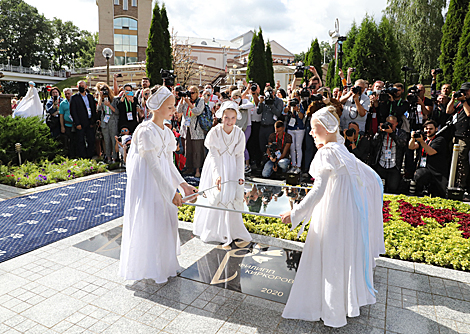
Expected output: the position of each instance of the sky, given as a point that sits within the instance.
(291, 23)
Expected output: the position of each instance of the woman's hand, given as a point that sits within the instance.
(189, 190)
(218, 183)
(241, 181)
(106, 103)
(177, 200)
(285, 217)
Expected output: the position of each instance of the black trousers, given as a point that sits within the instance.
(253, 144)
(264, 132)
(391, 176)
(436, 183)
(70, 143)
(86, 142)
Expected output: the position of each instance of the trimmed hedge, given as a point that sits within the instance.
(429, 230)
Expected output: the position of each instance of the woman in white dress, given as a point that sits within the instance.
(150, 241)
(224, 162)
(335, 275)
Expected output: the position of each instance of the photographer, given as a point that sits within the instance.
(52, 109)
(356, 142)
(459, 107)
(388, 147)
(278, 150)
(433, 160)
(296, 128)
(446, 89)
(355, 105)
(107, 108)
(128, 109)
(439, 112)
(270, 108)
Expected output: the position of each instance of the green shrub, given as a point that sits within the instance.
(33, 135)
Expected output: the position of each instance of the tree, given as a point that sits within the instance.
(330, 75)
(451, 32)
(256, 68)
(419, 23)
(299, 57)
(155, 50)
(462, 61)
(348, 45)
(67, 39)
(269, 64)
(330, 50)
(368, 54)
(392, 68)
(166, 39)
(183, 63)
(314, 58)
(86, 55)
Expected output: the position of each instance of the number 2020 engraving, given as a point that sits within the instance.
(272, 292)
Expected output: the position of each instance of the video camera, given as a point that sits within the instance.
(169, 77)
(299, 70)
(413, 93)
(385, 93)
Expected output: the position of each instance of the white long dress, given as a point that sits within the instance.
(225, 160)
(150, 241)
(335, 271)
(30, 105)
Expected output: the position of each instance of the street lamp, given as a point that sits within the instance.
(21, 63)
(125, 57)
(107, 53)
(9, 63)
(324, 55)
(73, 62)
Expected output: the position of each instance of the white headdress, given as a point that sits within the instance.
(156, 100)
(228, 105)
(329, 121)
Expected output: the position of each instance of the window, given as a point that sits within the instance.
(116, 2)
(125, 40)
(125, 23)
(134, 3)
(125, 4)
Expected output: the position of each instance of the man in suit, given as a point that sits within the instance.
(83, 111)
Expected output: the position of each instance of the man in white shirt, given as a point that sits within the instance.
(213, 99)
(355, 106)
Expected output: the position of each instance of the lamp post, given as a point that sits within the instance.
(73, 62)
(21, 63)
(125, 57)
(324, 55)
(9, 63)
(107, 53)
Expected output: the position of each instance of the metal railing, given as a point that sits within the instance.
(29, 70)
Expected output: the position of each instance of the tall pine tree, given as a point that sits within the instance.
(462, 61)
(392, 68)
(157, 50)
(348, 46)
(451, 32)
(330, 75)
(314, 58)
(368, 54)
(167, 58)
(269, 64)
(256, 68)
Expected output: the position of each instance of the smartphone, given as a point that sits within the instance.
(119, 75)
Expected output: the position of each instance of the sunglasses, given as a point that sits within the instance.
(122, 131)
(193, 93)
(147, 94)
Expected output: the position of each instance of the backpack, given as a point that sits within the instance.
(205, 118)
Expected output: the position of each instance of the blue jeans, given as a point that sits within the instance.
(283, 164)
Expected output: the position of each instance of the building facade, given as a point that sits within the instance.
(124, 27)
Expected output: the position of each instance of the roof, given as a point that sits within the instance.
(210, 42)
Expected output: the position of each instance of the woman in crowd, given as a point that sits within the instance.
(145, 114)
(150, 241)
(191, 131)
(226, 145)
(245, 108)
(296, 128)
(335, 277)
(128, 109)
(107, 108)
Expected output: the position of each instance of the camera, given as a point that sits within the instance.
(305, 92)
(325, 94)
(254, 86)
(316, 97)
(119, 75)
(353, 69)
(356, 90)
(272, 150)
(459, 93)
(299, 70)
(269, 97)
(184, 93)
(293, 102)
(350, 132)
(105, 92)
(418, 134)
(388, 90)
(169, 77)
(413, 94)
(386, 125)
(55, 98)
(438, 71)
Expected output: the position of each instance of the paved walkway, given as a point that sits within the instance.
(60, 288)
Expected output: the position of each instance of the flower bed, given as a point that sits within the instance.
(31, 175)
(430, 230)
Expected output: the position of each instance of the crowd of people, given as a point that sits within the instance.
(404, 135)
